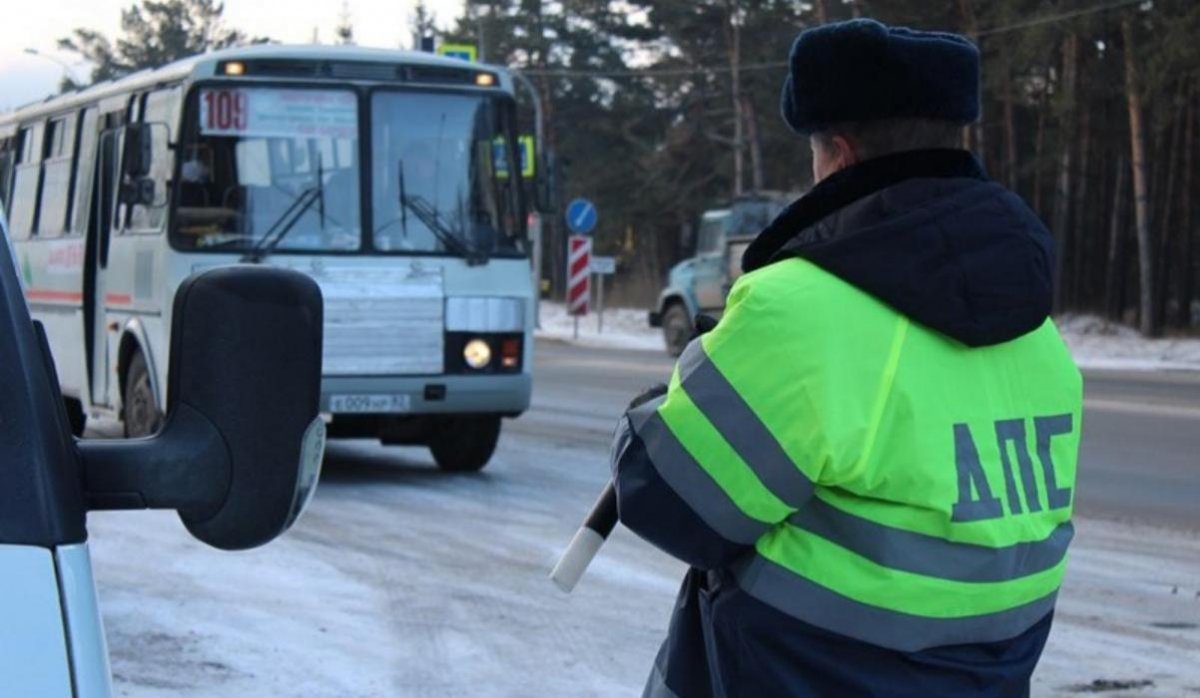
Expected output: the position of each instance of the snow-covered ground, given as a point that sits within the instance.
(1098, 343)
(1095, 342)
(624, 328)
(403, 581)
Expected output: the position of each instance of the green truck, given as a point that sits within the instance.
(700, 283)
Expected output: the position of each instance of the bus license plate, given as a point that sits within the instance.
(369, 403)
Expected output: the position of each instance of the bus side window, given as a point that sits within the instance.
(85, 170)
(8, 157)
(57, 159)
(26, 177)
(161, 109)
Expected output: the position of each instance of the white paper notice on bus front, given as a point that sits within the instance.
(266, 112)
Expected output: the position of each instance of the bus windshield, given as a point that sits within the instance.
(442, 173)
(265, 167)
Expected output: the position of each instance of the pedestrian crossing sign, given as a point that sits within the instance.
(463, 52)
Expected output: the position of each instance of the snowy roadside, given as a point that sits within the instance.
(624, 328)
(379, 592)
(1095, 342)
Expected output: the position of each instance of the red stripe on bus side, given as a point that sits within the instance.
(41, 294)
(118, 299)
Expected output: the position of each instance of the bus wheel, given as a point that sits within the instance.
(677, 328)
(142, 417)
(465, 443)
(75, 416)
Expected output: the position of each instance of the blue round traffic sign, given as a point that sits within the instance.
(581, 216)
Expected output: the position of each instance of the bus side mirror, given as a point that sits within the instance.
(240, 452)
(138, 152)
(137, 159)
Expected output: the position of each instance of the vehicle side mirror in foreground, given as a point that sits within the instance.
(240, 452)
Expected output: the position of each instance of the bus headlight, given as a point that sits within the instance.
(477, 354)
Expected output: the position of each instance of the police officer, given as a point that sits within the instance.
(869, 463)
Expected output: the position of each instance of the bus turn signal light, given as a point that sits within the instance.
(510, 353)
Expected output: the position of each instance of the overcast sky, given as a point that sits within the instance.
(38, 24)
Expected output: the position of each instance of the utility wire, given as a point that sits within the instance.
(774, 65)
(1063, 16)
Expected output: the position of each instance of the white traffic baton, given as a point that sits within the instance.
(587, 541)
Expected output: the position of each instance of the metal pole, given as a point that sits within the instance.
(576, 326)
(539, 143)
(68, 74)
(600, 301)
(538, 134)
(536, 243)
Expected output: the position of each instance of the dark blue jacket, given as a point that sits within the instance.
(964, 267)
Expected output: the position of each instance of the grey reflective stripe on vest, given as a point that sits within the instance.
(656, 685)
(741, 428)
(689, 480)
(928, 555)
(816, 605)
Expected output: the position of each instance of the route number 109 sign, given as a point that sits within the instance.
(262, 112)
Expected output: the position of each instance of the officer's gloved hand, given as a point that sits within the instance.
(655, 391)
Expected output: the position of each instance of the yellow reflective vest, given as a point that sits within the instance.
(895, 485)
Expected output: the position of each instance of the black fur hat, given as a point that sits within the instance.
(862, 70)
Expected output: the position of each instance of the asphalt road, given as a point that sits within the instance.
(404, 581)
(1140, 459)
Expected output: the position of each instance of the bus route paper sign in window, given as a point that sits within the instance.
(259, 112)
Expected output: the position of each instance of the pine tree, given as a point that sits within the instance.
(154, 33)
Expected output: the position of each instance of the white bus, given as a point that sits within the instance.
(390, 177)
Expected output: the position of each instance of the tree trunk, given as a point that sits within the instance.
(1141, 202)
(755, 140)
(1080, 234)
(1010, 129)
(734, 33)
(1038, 147)
(1061, 220)
(554, 243)
(973, 134)
(1183, 316)
(822, 11)
(1114, 288)
(1166, 212)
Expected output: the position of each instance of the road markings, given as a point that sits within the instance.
(1158, 410)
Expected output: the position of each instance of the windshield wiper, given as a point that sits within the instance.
(403, 206)
(299, 206)
(284, 223)
(429, 215)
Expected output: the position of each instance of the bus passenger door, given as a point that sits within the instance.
(99, 237)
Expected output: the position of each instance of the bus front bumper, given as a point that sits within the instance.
(447, 394)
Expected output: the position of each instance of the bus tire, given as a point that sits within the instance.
(140, 409)
(75, 415)
(465, 443)
(677, 328)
